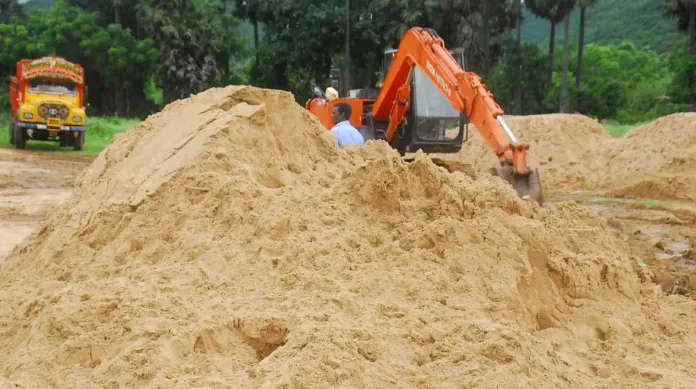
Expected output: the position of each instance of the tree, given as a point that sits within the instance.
(518, 49)
(581, 38)
(554, 11)
(121, 12)
(188, 35)
(126, 64)
(564, 83)
(8, 9)
(530, 64)
(254, 11)
(685, 12)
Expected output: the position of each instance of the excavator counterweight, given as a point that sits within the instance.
(426, 101)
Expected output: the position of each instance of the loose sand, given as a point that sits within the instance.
(226, 242)
(656, 161)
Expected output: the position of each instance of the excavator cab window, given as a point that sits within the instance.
(433, 125)
(436, 119)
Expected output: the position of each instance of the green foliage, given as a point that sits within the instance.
(619, 82)
(116, 64)
(683, 86)
(189, 35)
(304, 38)
(618, 130)
(10, 9)
(611, 22)
(503, 81)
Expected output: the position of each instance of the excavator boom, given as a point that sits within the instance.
(425, 90)
(424, 49)
(464, 90)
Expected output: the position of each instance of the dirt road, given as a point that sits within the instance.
(31, 184)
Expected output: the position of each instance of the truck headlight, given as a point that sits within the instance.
(28, 115)
(77, 119)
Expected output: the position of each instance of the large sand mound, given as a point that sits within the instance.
(226, 242)
(563, 147)
(656, 161)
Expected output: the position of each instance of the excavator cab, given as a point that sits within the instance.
(432, 124)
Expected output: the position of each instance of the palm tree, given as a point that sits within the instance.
(581, 39)
(554, 11)
(564, 79)
(518, 47)
(685, 12)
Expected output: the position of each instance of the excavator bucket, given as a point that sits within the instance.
(524, 185)
(452, 166)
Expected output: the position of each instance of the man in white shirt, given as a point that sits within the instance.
(345, 133)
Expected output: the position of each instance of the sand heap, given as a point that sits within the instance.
(656, 161)
(563, 147)
(226, 242)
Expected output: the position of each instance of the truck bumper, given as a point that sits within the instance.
(42, 126)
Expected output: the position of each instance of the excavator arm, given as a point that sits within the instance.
(424, 48)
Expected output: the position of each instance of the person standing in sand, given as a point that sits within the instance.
(345, 133)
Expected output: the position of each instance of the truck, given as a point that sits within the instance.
(47, 99)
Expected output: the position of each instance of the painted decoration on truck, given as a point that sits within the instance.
(52, 67)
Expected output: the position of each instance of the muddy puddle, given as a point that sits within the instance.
(31, 184)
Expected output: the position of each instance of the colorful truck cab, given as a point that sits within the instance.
(46, 96)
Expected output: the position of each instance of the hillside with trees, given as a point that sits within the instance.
(640, 22)
(632, 61)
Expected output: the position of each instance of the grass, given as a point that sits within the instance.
(100, 131)
(618, 130)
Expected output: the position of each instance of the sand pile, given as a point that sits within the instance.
(226, 242)
(656, 161)
(563, 148)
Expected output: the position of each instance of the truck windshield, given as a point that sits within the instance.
(53, 87)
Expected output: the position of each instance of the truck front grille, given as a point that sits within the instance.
(52, 110)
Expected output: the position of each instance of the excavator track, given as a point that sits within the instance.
(524, 185)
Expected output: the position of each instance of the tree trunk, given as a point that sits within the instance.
(552, 46)
(581, 47)
(117, 13)
(227, 52)
(256, 41)
(564, 82)
(518, 46)
(486, 44)
(346, 70)
(119, 101)
(169, 93)
(692, 27)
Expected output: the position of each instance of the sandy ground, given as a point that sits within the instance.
(212, 247)
(31, 184)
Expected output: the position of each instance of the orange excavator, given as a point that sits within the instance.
(426, 102)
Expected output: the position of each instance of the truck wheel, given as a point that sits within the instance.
(20, 138)
(12, 134)
(79, 141)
